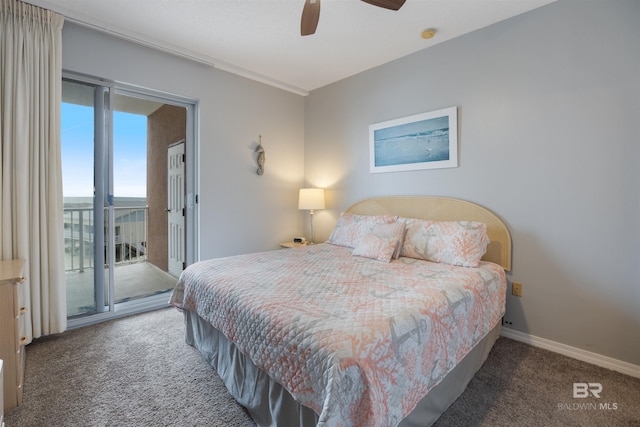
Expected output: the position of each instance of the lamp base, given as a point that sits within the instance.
(312, 242)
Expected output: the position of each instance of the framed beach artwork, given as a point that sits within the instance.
(423, 141)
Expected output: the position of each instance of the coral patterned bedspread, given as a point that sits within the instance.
(359, 341)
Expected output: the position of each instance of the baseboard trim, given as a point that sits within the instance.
(573, 352)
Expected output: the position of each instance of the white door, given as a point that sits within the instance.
(176, 208)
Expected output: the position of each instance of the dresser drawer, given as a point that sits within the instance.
(9, 349)
(22, 357)
(12, 330)
(20, 292)
(1, 394)
(21, 314)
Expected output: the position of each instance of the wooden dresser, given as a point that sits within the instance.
(1, 398)
(12, 330)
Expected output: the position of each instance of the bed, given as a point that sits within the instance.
(373, 328)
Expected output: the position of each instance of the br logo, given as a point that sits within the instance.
(583, 390)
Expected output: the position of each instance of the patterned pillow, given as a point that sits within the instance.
(352, 227)
(396, 230)
(376, 247)
(460, 243)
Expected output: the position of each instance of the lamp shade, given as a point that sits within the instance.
(311, 198)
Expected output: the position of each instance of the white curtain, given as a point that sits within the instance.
(31, 209)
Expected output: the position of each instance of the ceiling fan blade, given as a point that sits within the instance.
(387, 4)
(310, 17)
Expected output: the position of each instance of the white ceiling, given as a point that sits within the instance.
(260, 39)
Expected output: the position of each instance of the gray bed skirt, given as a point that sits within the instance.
(271, 405)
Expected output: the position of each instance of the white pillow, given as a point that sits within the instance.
(376, 247)
(352, 227)
(460, 243)
(396, 230)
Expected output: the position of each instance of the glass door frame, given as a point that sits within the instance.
(104, 199)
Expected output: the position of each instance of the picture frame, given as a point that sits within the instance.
(422, 141)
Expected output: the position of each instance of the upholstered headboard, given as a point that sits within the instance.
(444, 209)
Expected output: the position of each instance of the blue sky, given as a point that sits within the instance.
(129, 152)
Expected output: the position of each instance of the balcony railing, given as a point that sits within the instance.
(130, 237)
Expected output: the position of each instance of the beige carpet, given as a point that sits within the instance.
(135, 371)
(138, 371)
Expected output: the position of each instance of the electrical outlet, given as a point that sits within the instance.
(516, 289)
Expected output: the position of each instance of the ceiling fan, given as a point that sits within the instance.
(311, 13)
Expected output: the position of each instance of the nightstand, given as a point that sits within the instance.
(292, 244)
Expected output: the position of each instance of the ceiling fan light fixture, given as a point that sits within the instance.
(387, 4)
(428, 34)
(310, 17)
(311, 13)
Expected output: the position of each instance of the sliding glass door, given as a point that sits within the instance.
(83, 145)
(114, 160)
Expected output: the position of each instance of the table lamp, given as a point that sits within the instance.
(310, 199)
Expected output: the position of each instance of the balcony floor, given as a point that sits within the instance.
(131, 281)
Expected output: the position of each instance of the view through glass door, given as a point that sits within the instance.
(114, 148)
(83, 237)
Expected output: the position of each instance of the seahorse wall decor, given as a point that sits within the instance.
(260, 151)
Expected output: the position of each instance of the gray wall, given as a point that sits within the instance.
(548, 109)
(239, 211)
